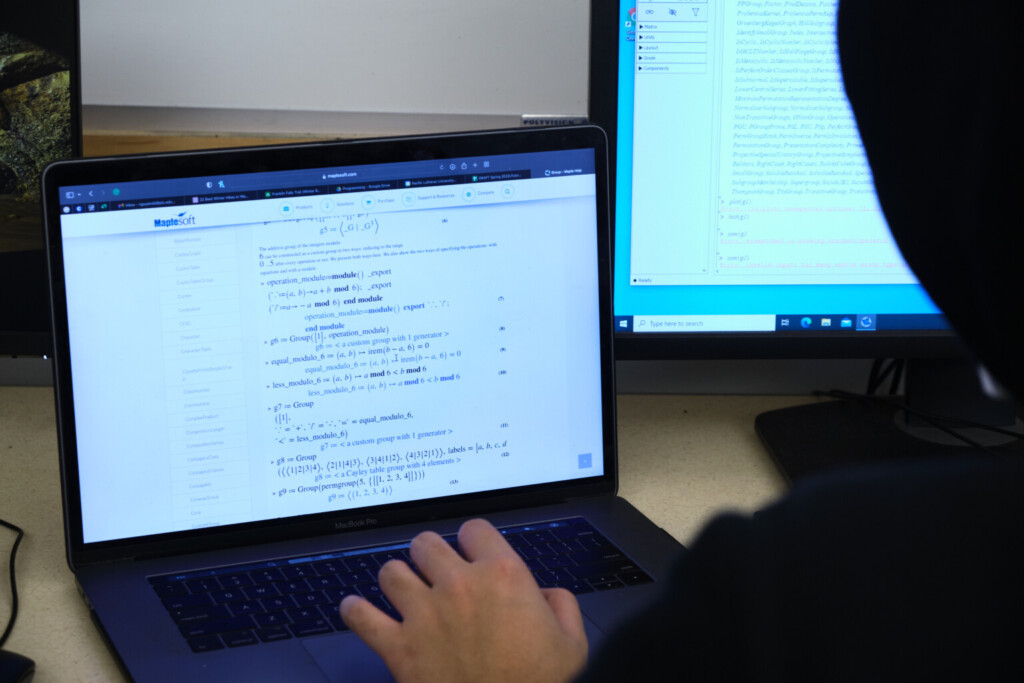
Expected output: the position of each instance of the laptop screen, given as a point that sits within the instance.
(262, 345)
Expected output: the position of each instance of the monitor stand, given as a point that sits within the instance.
(828, 435)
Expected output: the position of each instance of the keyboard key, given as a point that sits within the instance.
(516, 540)
(170, 590)
(362, 562)
(239, 609)
(186, 615)
(279, 602)
(596, 555)
(610, 568)
(322, 582)
(296, 586)
(310, 598)
(298, 571)
(566, 533)
(310, 628)
(368, 590)
(297, 614)
(330, 567)
(239, 638)
(557, 561)
(187, 601)
(357, 577)
(542, 536)
(576, 587)
(606, 585)
(235, 580)
(534, 564)
(336, 622)
(531, 551)
(207, 628)
(204, 585)
(205, 644)
(635, 578)
(328, 610)
(383, 557)
(270, 634)
(569, 546)
(553, 576)
(335, 595)
(600, 578)
(262, 590)
(228, 595)
(594, 540)
(279, 618)
(266, 575)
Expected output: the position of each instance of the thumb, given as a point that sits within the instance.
(567, 611)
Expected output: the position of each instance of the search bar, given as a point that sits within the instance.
(703, 323)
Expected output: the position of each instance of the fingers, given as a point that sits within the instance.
(567, 610)
(479, 540)
(433, 556)
(377, 629)
(402, 587)
(490, 606)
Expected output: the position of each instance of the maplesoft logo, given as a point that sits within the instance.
(181, 219)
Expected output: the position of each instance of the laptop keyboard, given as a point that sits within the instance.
(298, 597)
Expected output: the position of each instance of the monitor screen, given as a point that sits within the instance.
(746, 222)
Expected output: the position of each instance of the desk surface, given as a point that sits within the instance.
(681, 460)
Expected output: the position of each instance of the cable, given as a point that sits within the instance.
(14, 585)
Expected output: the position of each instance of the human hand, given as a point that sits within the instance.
(481, 619)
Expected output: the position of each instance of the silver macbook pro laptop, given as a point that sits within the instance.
(274, 366)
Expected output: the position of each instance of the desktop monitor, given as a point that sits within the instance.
(746, 223)
(39, 123)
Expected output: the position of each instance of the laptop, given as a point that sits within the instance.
(275, 366)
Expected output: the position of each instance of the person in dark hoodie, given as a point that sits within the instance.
(907, 571)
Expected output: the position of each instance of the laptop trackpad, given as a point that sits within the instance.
(344, 657)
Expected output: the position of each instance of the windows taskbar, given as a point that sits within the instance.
(817, 322)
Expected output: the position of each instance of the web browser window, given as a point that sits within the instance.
(251, 347)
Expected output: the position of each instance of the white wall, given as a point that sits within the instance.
(398, 56)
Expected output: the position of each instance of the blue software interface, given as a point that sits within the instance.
(744, 199)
